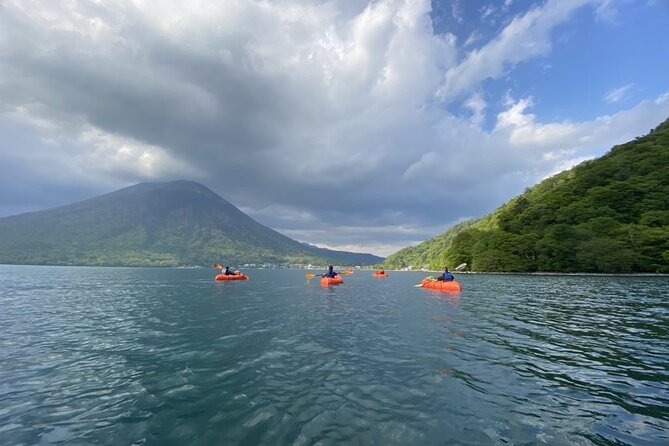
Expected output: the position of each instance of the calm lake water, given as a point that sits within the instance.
(169, 357)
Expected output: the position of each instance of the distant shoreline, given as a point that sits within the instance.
(502, 273)
(295, 267)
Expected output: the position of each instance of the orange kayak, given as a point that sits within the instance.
(238, 275)
(325, 281)
(443, 286)
(379, 274)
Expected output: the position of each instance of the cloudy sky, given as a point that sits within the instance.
(350, 124)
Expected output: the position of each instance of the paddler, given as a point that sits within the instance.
(227, 272)
(445, 276)
(330, 272)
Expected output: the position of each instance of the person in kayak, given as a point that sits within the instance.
(330, 272)
(227, 271)
(445, 276)
(380, 271)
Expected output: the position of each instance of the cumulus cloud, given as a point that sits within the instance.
(327, 121)
(523, 130)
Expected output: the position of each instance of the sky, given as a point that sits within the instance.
(355, 125)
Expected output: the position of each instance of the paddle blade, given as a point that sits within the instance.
(218, 265)
(460, 267)
(309, 276)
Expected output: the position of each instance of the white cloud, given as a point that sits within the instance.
(559, 140)
(111, 155)
(617, 94)
(477, 105)
(525, 37)
(515, 115)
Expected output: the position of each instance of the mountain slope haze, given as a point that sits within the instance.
(154, 224)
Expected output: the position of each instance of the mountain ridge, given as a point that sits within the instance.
(154, 224)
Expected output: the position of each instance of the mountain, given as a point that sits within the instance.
(155, 224)
(608, 215)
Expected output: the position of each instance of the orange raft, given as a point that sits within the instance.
(326, 281)
(238, 275)
(378, 274)
(442, 286)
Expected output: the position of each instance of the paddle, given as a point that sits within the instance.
(460, 267)
(310, 276)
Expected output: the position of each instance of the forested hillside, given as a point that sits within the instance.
(608, 215)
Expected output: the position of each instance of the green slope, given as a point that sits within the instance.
(154, 224)
(609, 215)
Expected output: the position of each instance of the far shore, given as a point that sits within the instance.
(365, 268)
(501, 273)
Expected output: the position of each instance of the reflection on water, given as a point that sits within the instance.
(168, 356)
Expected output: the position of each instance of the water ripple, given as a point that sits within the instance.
(163, 356)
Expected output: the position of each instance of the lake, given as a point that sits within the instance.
(170, 357)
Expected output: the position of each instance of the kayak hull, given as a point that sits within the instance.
(223, 277)
(441, 286)
(380, 275)
(327, 281)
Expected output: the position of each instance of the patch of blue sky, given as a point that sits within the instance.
(596, 65)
